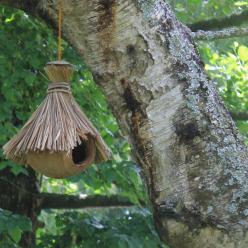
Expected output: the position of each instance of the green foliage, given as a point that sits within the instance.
(229, 70)
(191, 11)
(117, 228)
(11, 228)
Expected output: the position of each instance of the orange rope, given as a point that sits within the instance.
(59, 30)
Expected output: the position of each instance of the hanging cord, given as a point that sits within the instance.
(59, 29)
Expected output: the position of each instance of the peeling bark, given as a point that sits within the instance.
(183, 137)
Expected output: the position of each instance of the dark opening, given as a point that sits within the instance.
(80, 152)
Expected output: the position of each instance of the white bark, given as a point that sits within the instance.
(183, 137)
(220, 34)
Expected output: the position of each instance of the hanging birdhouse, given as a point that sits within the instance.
(58, 140)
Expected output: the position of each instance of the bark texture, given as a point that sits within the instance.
(193, 159)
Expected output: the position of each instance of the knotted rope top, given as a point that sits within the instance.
(59, 87)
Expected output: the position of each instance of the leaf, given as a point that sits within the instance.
(3, 166)
(3, 226)
(243, 53)
(15, 233)
(241, 3)
(18, 169)
(30, 78)
(25, 224)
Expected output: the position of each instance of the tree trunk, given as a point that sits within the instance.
(18, 194)
(193, 159)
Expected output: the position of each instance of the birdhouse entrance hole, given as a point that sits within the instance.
(79, 153)
(84, 152)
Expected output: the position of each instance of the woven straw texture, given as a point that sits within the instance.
(56, 129)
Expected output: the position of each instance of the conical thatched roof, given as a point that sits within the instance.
(58, 126)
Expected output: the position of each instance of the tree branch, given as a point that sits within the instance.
(63, 201)
(59, 201)
(220, 23)
(220, 34)
(240, 116)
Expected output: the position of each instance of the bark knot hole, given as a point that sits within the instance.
(130, 49)
(187, 131)
(107, 14)
(130, 99)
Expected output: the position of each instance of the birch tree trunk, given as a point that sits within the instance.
(183, 137)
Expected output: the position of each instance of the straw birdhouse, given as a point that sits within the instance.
(58, 140)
